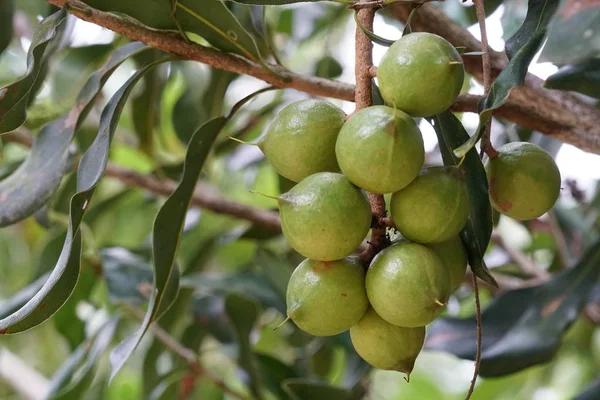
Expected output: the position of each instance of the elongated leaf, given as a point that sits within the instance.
(14, 98)
(34, 182)
(371, 35)
(522, 327)
(20, 298)
(6, 25)
(243, 313)
(573, 35)
(520, 49)
(126, 275)
(583, 78)
(478, 231)
(74, 379)
(168, 227)
(210, 19)
(310, 389)
(145, 107)
(64, 276)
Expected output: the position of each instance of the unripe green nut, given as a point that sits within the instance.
(380, 149)
(325, 217)
(301, 139)
(327, 297)
(433, 208)
(421, 74)
(386, 346)
(524, 181)
(407, 284)
(454, 257)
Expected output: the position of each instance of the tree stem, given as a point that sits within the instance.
(363, 98)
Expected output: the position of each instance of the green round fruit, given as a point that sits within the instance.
(380, 149)
(524, 181)
(327, 297)
(454, 257)
(433, 208)
(325, 217)
(301, 139)
(421, 74)
(407, 285)
(386, 346)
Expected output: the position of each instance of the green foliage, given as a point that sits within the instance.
(128, 185)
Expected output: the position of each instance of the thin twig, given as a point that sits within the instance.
(559, 237)
(525, 263)
(190, 357)
(556, 113)
(479, 336)
(205, 196)
(486, 143)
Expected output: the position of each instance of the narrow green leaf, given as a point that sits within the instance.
(478, 231)
(520, 49)
(6, 25)
(36, 180)
(371, 35)
(522, 327)
(243, 313)
(145, 106)
(583, 78)
(312, 389)
(592, 392)
(14, 98)
(168, 227)
(75, 377)
(210, 19)
(63, 278)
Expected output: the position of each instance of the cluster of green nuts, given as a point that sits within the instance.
(326, 216)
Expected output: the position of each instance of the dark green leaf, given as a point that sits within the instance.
(6, 24)
(247, 282)
(196, 106)
(310, 389)
(63, 278)
(168, 227)
(377, 97)
(14, 98)
(574, 35)
(73, 68)
(126, 274)
(520, 48)
(372, 36)
(145, 106)
(75, 377)
(489, 5)
(522, 327)
(328, 67)
(66, 321)
(592, 392)
(583, 78)
(209, 315)
(32, 185)
(20, 298)
(210, 19)
(478, 231)
(274, 372)
(275, 271)
(243, 313)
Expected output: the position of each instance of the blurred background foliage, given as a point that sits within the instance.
(234, 275)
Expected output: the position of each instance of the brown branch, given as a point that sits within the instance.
(486, 144)
(553, 112)
(205, 196)
(189, 356)
(525, 263)
(363, 99)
